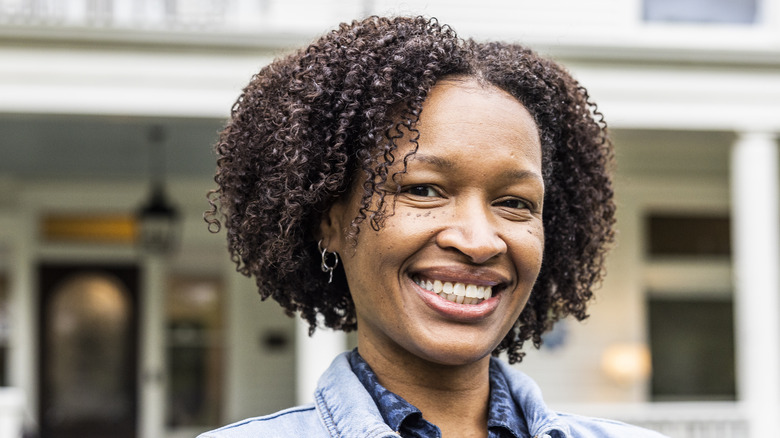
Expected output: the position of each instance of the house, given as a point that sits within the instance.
(104, 102)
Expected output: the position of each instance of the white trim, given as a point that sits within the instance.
(755, 220)
(137, 83)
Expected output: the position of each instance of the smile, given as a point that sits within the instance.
(461, 293)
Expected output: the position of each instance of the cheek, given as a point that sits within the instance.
(530, 251)
(373, 253)
(402, 231)
(380, 256)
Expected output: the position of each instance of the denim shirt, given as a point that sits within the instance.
(343, 408)
(504, 417)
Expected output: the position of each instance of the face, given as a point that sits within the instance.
(446, 277)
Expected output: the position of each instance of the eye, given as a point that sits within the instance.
(421, 190)
(513, 203)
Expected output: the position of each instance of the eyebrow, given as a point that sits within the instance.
(446, 164)
(434, 160)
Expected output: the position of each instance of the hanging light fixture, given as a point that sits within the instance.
(158, 219)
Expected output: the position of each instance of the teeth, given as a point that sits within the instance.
(459, 289)
(460, 293)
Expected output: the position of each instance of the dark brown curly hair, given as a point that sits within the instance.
(308, 123)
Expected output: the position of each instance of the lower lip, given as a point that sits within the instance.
(455, 311)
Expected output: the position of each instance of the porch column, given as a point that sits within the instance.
(151, 415)
(23, 286)
(313, 356)
(755, 237)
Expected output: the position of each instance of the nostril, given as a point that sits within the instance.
(477, 239)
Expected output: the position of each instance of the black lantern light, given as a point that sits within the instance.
(158, 219)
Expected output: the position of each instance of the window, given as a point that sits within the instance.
(674, 235)
(700, 11)
(87, 350)
(692, 344)
(194, 351)
(689, 309)
(4, 329)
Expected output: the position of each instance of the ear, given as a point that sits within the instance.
(334, 224)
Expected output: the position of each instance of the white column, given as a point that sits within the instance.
(151, 419)
(313, 356)
(23, 357)
(755, 237)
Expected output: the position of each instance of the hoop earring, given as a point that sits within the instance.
(324, 265)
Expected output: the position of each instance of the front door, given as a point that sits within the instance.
(88, 350)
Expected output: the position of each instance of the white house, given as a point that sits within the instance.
(100, 99)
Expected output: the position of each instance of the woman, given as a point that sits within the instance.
(447, 198)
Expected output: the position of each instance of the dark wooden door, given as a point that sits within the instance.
(88, 334)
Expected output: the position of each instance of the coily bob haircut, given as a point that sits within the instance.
(311, 123)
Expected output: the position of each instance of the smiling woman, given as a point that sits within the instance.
(467, 214)
(456, 196)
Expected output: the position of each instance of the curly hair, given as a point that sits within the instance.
(309, 123)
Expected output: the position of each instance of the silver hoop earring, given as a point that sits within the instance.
(324, 265)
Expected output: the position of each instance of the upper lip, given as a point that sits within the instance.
(480, 276)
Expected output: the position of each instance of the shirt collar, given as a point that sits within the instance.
(503, 412)
(502, 409)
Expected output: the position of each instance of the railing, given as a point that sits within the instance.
(611, 28)
(676, 420)
(138, 14)
(701, 429)
(282, 23)
(227, 16)
(11, 412)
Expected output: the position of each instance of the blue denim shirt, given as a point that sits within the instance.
(343, 408)
(504, 417)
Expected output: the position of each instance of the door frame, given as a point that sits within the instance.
(49, 274)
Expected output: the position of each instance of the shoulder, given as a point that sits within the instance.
(293, 422)
(588, 427)
(541, 419)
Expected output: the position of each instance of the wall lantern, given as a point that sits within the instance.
(627, 363)
(158, 219)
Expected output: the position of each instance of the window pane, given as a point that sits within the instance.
(692, 344)
(679, 235)
(89, 327)
(194, 333)
(701, 11)
(5, 324)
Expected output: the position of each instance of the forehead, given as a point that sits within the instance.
(472, 116)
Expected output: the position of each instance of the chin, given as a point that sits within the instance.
(454, 355)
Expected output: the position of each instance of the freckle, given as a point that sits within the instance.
(408, 214)
(418, 215)
(427, 214)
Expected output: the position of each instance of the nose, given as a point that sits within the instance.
(473, 232)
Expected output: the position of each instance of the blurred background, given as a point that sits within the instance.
(122, 316)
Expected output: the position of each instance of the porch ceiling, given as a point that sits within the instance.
(106, 147)
(113, 148)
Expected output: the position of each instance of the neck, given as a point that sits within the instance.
(453, 397)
